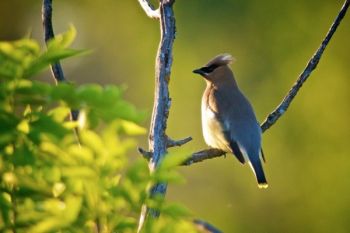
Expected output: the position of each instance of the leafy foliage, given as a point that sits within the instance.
(50, 182)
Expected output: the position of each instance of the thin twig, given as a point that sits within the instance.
(49, 34)
(149, 9)
(169, 143)
(312, 64)
(146, 154)
(195, 157)
(283, 106)
(173, 143)
(204, 155)
(207, 227)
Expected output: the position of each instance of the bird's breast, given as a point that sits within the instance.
(212, 130)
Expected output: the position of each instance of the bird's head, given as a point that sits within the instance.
(217, 69)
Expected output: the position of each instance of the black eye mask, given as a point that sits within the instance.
(209, 69)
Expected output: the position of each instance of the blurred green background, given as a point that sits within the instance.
(307, 151)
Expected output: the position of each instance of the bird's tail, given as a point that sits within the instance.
(259, 173)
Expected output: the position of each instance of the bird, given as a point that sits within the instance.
(228, 119)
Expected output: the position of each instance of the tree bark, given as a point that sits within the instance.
(158, 140)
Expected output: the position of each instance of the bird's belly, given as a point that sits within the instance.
(212, 131)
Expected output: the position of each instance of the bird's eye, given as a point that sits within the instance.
(209, 69)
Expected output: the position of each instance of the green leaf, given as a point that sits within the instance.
(5, 208)
(91, 94)
(130, 128)
(125, 223)
(22, 156)
(64, 214)
(8, 127)
(15, 56)
(138, 172)
(110, 95)
(28, 46)
(173, 160)
(46, 125)
(23, 126)
(57, 49)
(65, 92)
(73, 204)
(93, 141)
(169, 176)
(84, 154)
(175, 211)
(50, 57)
(63, 40)
(59, 114)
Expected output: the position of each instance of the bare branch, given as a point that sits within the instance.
(146, 154)
(312, 64)
(49, 34)
(207, 227)
(149, 9)
(158, 141)
(173, 143)
(204, 155)
(170, 143)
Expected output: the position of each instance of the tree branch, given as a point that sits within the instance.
(49, 34)
(169, 143)
(204, 155)
(283, 106)
(149, 9)
(312, 64)
(207, 227)
(173, 143)
(158, 141)
(146, 154)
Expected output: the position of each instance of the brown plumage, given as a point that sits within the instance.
(228, 119)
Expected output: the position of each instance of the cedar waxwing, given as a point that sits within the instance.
(228, 119)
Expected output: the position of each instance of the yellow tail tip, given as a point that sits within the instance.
(263, 185)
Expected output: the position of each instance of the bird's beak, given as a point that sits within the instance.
(199, 71)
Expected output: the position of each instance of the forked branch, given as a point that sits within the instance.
(158, 141)
(149, 9)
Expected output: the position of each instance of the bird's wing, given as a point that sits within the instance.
(225, 112)
(234, 147)
(230, 141)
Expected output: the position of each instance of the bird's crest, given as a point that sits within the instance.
(220, 60)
